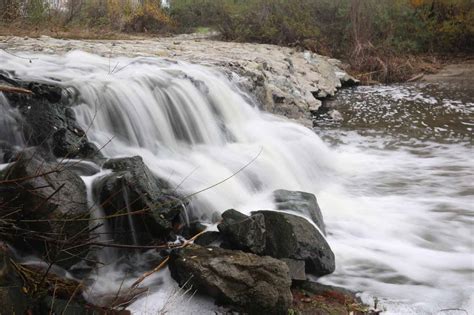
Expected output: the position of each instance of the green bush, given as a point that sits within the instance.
(37, 11)
(337, 26)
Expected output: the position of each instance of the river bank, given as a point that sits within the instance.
(283, 80)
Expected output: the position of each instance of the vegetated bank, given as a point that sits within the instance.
(380, 40)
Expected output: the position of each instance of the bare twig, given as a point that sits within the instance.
(164, 262)
(12, 89)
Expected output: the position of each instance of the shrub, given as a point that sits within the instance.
(37, 11)
(149, 18)
(9, 10)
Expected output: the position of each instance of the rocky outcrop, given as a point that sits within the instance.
(279, 235)
(284, 81)
(146, 211)
(257, 285)
(48, 120)
(301, 202)
(45, 197)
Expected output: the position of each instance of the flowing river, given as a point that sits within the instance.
(394, 179)
(400, 212)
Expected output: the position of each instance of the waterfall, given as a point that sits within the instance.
(195, 128)
(10, 124)
(192, 126)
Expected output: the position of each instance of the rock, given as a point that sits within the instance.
(208, 238)
(296, 267)
(19, 296)
(133, 188)
(301, 202)
(49, 120)
(12, 298)
(264, 70)
(81, 167)
(290, 236)
(6, 152)
(321, 289)
(34, 189)
(279, 235)
(243, 232)
(336, 115)
(191, 229)
(256, 285)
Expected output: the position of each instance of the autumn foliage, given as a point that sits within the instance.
(382, 40)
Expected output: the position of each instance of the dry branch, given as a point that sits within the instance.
(12, 89)
(164, 262)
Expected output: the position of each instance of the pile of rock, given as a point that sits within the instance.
(251, 262)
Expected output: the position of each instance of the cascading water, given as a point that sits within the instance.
(10, 122)
(193, 127)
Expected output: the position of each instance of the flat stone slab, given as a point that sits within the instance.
(284, 80)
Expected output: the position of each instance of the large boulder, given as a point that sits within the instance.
(300, 202)
(255, 284)
(47, 204)
(143, 210)
(280, 235)
(49, 121)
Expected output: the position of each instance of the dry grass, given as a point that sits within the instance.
(21, 30)
(393, 68)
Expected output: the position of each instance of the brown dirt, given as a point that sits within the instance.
(459, 72)
(327, 303)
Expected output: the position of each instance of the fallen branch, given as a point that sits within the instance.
(164, 262)
(12, 89)
(149, 273)
(416, 77)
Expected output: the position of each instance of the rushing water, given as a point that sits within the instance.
(402, 222)
(395, 189)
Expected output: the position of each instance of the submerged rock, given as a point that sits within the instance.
(45, 199)
(279, 235)
(300, 202)
(146, 212)
(255, 284)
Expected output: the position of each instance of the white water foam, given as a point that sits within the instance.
(398, 220)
